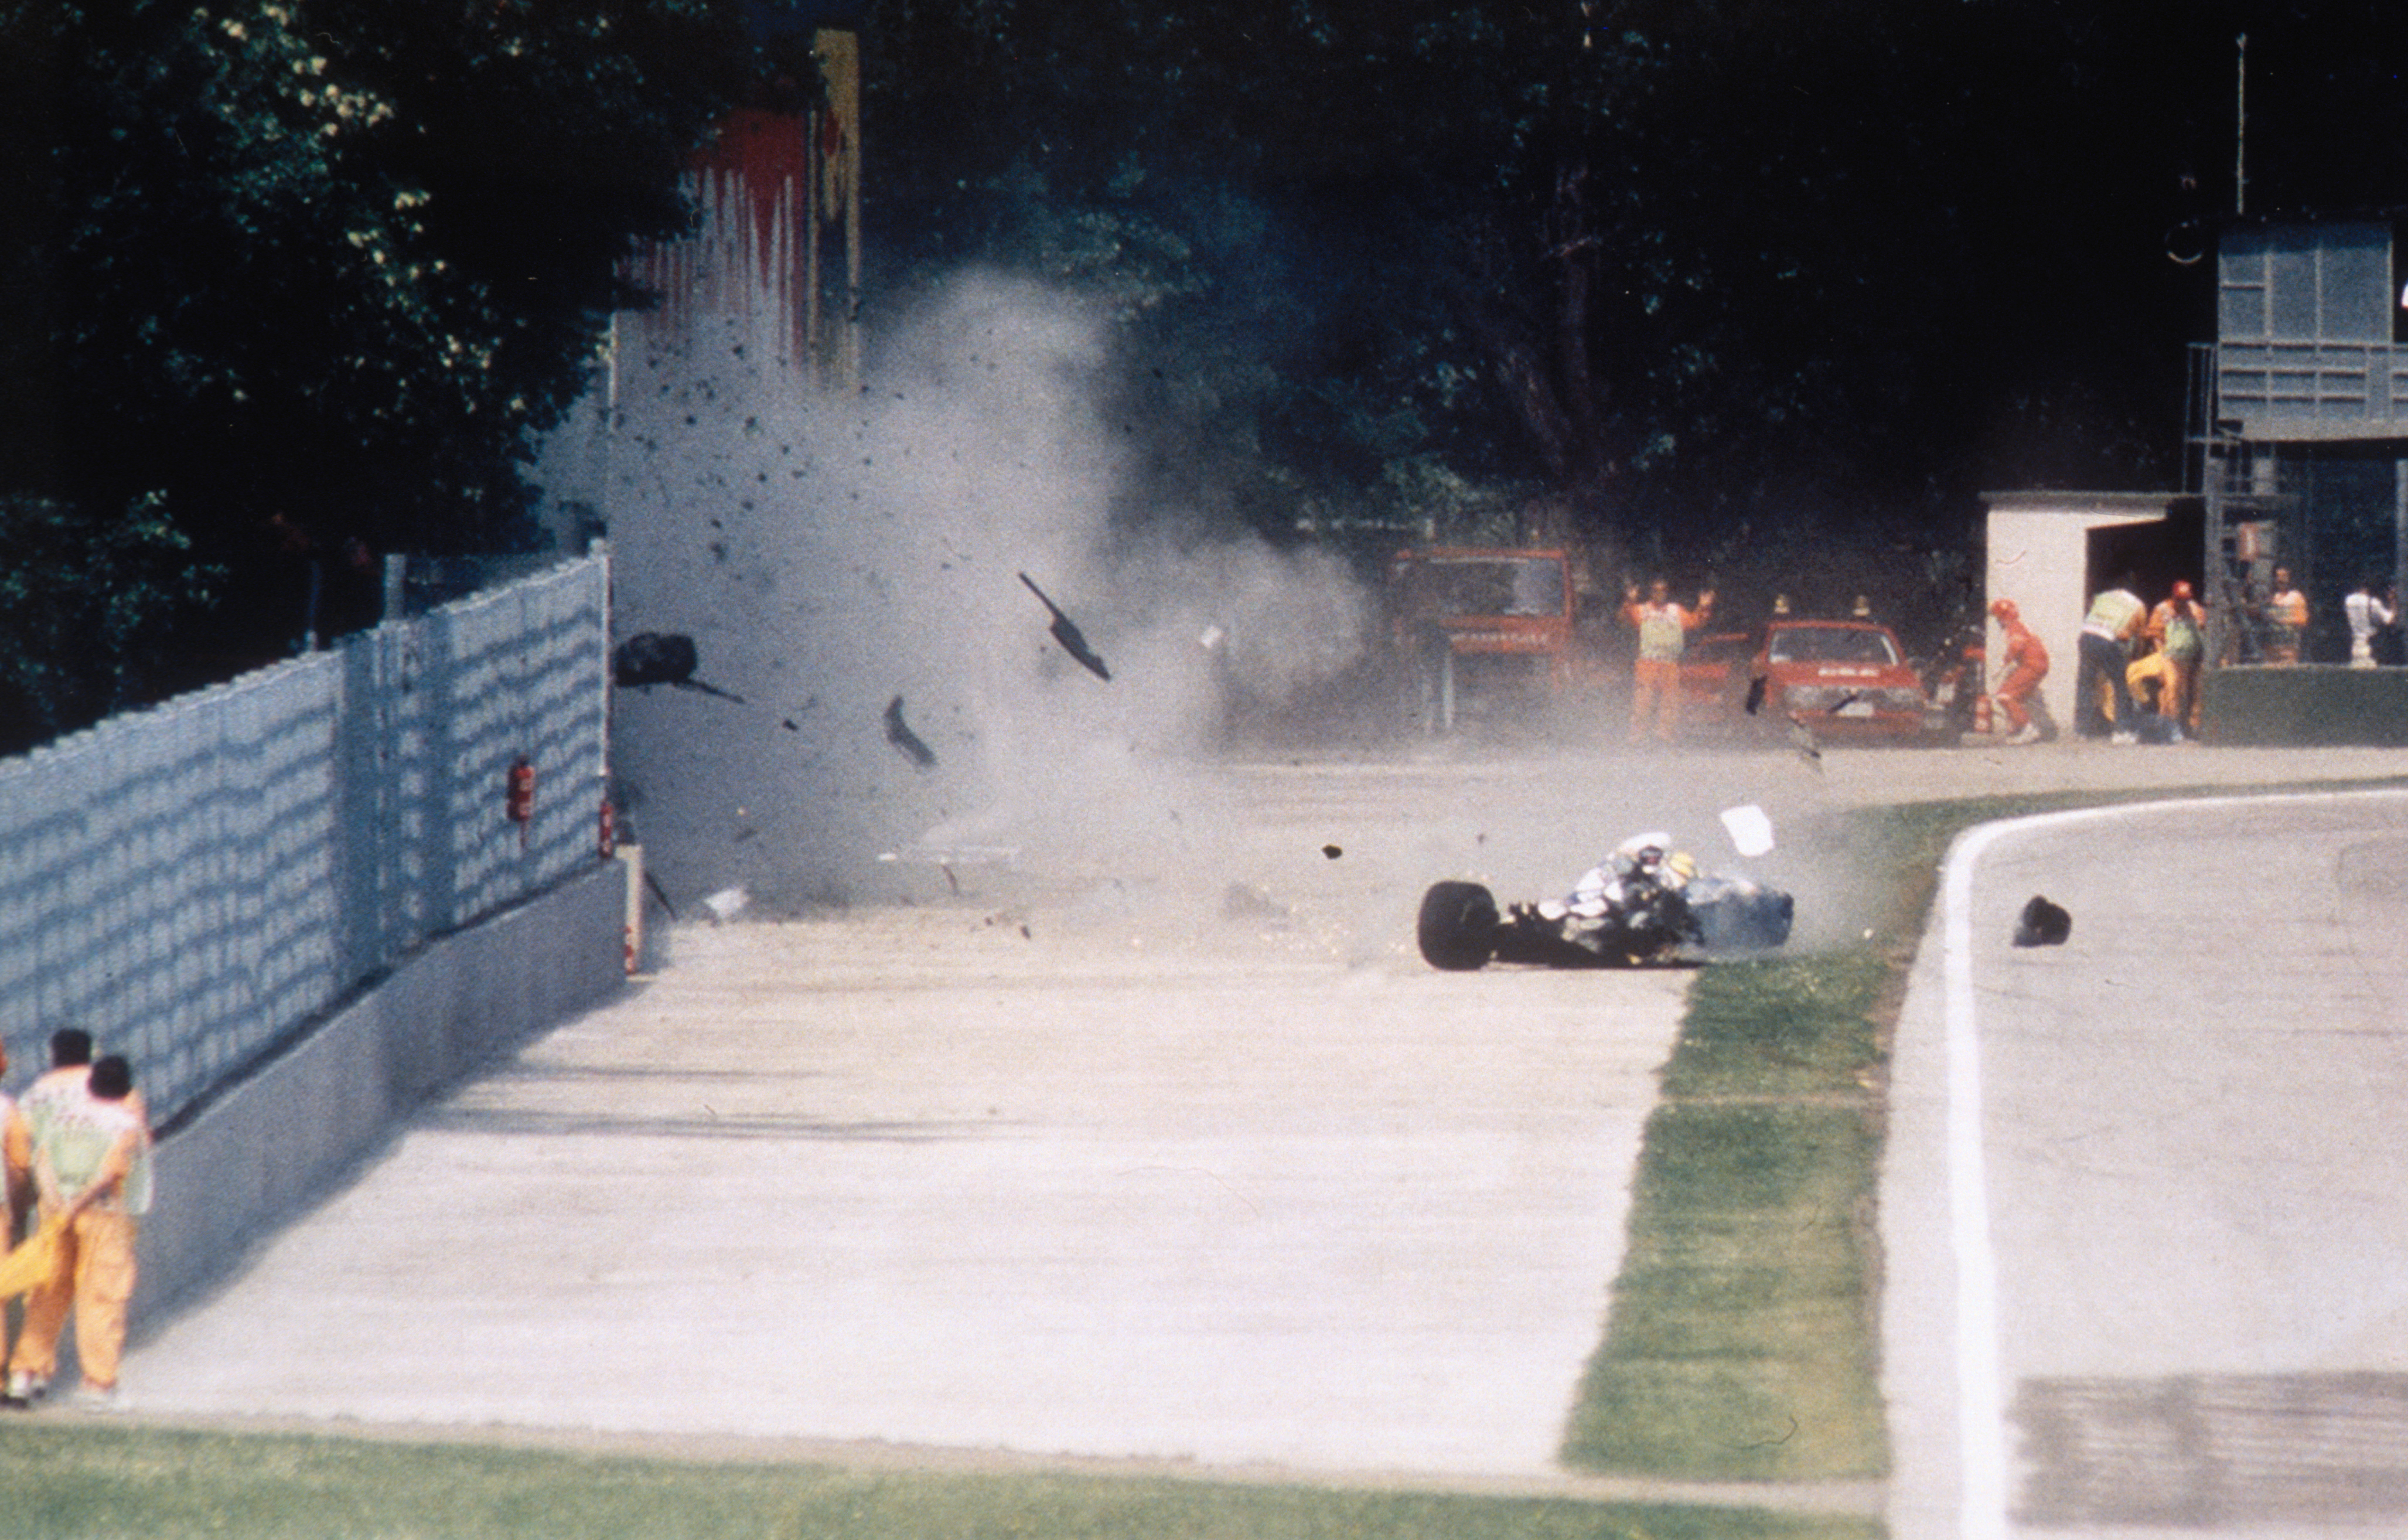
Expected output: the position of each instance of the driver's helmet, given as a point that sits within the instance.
(1641, 853)
(1652, 857)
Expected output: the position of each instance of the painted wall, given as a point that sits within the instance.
(195, 882)
(263, 1148)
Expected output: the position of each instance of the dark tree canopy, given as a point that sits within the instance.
(1695, 275)
(283, 278)
(1697, 282)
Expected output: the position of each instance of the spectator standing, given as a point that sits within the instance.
(2178, 626)
(2116, 617)
(2027, 665)
(2367, 614)
(1664, 629)
(2286, 620)
(91, 1175)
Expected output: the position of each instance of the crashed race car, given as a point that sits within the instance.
(1645, 905)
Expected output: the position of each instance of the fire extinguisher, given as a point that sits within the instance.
(518, 803)
(609, 840)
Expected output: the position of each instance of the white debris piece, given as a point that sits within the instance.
(1751, 831)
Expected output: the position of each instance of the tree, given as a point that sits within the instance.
(283, 278)
(1709, 276)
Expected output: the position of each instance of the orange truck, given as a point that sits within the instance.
(1490, 625)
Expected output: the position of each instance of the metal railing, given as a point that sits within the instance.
(195, 883)
(2285, 390)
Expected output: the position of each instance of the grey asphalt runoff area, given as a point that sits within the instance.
(1191, 1162)
(2163, 1272)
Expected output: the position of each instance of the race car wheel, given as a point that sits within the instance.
(1457, 931)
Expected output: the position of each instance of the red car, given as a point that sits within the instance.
(1847, 680)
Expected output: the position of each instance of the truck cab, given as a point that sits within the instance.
(1479, 623)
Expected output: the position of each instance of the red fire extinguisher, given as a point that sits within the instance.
(519, 802)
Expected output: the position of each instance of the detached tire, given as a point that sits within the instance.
(1458, 929)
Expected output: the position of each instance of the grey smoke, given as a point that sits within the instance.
(830, 556)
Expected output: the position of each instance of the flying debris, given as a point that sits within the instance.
(1802, 737)
(1755, 694)
(903, 738)
(653, 658)
(2042, 923)
(1750, 830)
(661, 893)
(1066, 632)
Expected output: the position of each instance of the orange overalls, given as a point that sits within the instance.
(2027, 665)
(89, 1144)
(1655, 680)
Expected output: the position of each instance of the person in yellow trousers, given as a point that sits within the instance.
(91, 1179)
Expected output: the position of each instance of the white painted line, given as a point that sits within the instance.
(1980, 1402)
(1980, 1398)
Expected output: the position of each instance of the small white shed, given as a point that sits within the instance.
(2050, 551)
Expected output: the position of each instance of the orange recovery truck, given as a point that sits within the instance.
(1480, 628)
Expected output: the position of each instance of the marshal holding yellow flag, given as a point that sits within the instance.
(33, 1261)
(79, 1139)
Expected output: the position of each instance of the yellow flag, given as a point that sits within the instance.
(31, 1262)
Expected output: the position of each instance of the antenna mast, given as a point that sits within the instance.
(2241, 129)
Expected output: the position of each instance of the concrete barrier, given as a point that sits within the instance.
(276, 1140)
(2310, 706)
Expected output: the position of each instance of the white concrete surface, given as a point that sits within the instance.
(1102, 1172)
(915, 1178)
(1257, 1191)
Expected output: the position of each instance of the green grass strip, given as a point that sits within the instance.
(1743, 1337)
(1742, 1343)
(77, 1483)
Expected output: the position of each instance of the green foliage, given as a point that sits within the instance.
(1726, 282)
(293, 273)
(82, 605)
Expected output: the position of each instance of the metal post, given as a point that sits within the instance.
(2241, 128)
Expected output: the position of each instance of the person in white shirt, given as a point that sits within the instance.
(2367, 614)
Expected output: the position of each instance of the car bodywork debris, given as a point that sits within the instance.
(900, 734)
(1066, 632)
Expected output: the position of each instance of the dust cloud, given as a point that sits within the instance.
(911, 726)
(853, 569)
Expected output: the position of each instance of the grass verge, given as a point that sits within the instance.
(87, 1481)
(1741, 1346)
(1744, 1338)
